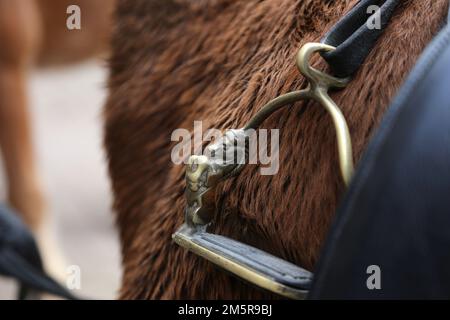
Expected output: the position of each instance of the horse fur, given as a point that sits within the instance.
(219, 61)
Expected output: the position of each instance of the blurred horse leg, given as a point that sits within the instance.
(19, 35)
(19, 38)
(24, 190)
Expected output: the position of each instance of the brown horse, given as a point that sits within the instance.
(177, 61)
(34, 32)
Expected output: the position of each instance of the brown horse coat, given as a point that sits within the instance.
(176, 61)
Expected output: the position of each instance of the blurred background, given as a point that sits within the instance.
(61, 69)
(65, 106)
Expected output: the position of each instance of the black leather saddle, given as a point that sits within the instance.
(395, 219)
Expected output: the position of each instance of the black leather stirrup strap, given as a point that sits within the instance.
(355, 35)
(20, 259)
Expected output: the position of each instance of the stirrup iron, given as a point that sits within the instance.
(204, 173)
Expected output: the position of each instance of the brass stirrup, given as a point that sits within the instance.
(204, 173)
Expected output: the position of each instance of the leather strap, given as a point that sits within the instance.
(354, 36)
(20, 259)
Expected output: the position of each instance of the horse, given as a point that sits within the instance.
(174, 62)
(34, 33)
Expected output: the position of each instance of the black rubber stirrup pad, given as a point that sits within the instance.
(247, 262)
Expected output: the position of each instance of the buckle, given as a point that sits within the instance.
(205, 173)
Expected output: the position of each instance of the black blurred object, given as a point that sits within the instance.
(20, 259)
(396, 214)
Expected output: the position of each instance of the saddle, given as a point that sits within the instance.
(394, 216)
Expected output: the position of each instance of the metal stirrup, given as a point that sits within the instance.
(204, 173)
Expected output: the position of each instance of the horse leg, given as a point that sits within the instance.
(19, 36)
